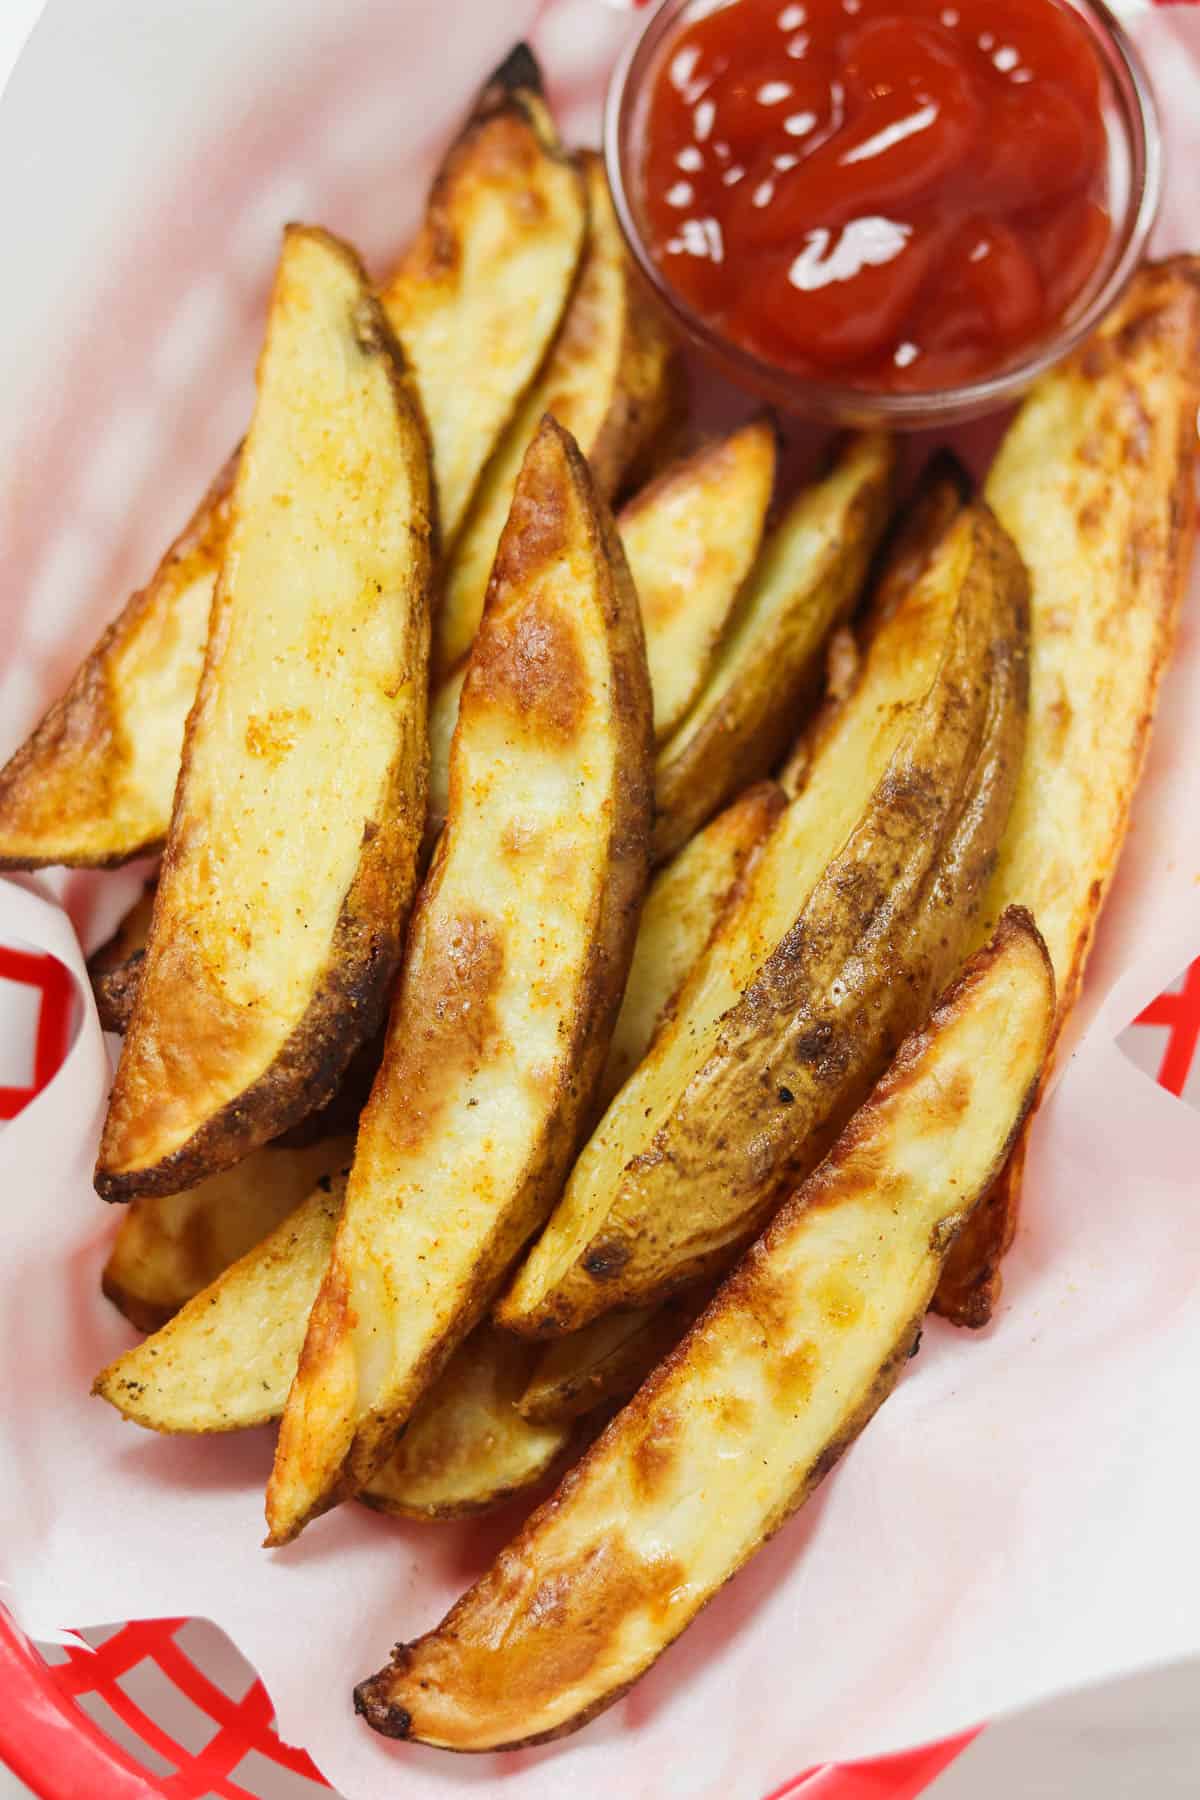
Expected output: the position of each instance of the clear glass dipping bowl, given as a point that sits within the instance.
(1135, 186)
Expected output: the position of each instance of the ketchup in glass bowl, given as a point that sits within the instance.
(892, 210)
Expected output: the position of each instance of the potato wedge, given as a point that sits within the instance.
(115, 968)
(227, 1358)
(609, 380)
(607, 1360)
(691, 538)
(1095, 483)
(769, 664)
(942, 489)
(467, 1448)
(684, 903)
(798, 1350)
(860, 905)
(292, 854)
(492, 266)
(169, 1247)
(517, 958)
(479, 294)
(93, 785)
(226, 1362)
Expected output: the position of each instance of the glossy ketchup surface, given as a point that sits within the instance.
(898, 194)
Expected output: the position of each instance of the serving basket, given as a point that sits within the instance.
(167, 1706)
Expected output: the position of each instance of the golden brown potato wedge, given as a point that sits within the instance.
(607, 1360)
(769, 663)
(798, 1350)
(860, 905)
(226, 1359)
(516, 961)
(491, 266)
(479, 294)
(467, 1448)
(691, 538)
(93, 785)
(1095, 483)
(292, 853)
(115, 968)
(684, 903)
(942, 489)
(169, 1247)
(609, 380)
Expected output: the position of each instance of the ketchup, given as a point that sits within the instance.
(899, 194)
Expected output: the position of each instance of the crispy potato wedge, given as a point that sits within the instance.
(1095, 483)
(780, 1374)
(492, 266)
(169, 1247)
(607, 1360)
(115, 968)
(478, 296)
(684, 903)
(93, 785)
(467, 1448)
(517, 958)
(942, 489)
(691, 538)
(609, 380)
(861, 903)
(292, 854)
(769, 663)
(226, 1359)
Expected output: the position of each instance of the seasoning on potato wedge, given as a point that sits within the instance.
(467, 1447)
(742, 1422)
(691, 537)
(478, 295)
(94, 783)
(169, 1247)
(858, 908)
(475, 302)
(518, 954)
(1095, 483)
(768, 664)
(292, 854)
(610, 380)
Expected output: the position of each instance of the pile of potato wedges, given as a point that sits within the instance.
(614, 918)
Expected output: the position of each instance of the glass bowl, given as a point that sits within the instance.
(1135, 185)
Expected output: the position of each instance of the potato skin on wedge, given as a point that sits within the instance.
(518, 954)
(684, 904)
(1095, 483)
(610, 380)
(769, 663)
(477, 297)
(93, 785)
(742, 1422)
(292, 854)
(860, 906)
